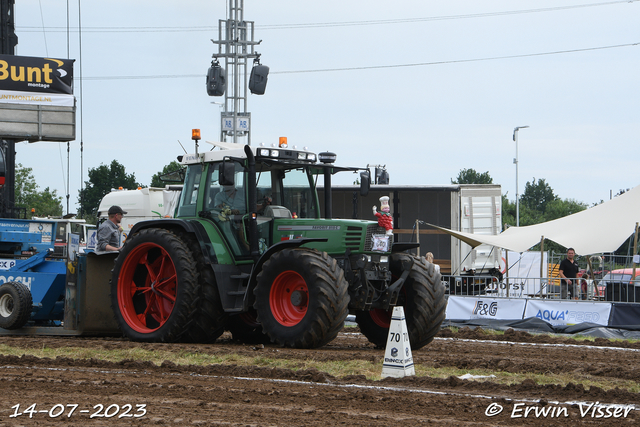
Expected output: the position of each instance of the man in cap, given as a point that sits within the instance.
(109, 231)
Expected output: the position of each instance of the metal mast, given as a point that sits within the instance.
(236, 45)
(8, 42)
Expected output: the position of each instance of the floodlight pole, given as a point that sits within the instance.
(236, 44)
(515, 138)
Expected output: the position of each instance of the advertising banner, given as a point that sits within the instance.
(36, 99)
(568, 312)
(465, 308)
(30, 98)
(31, 74)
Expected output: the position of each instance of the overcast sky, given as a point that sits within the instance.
(431, 87)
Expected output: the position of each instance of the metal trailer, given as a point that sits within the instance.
(472, 208)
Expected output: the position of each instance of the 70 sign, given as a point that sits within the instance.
(395, 336)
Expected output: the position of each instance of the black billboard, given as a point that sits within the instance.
(31, 74)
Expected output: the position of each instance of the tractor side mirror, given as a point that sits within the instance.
(227, 173)
(365, 183)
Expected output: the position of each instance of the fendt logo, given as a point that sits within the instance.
(483, 309)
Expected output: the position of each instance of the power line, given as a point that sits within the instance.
(327, 24)
(32, 29)
(457, 61)
(373, 67)
(436, 18)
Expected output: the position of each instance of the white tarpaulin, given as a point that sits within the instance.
(600, 229)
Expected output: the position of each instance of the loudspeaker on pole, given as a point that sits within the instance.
(398, 360)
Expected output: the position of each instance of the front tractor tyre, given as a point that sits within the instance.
(153, 286)
(423, 299)
(15, 305)
(301, 298)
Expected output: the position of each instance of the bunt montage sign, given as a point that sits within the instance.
(36, 99)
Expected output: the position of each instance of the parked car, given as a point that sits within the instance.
(622, 285)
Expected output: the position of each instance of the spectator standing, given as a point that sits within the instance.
(568, 272)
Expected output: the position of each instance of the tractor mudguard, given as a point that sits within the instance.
(403, 246)
(186, 226)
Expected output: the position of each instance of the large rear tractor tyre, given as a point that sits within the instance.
(153, 286)
(246, 328)
(423, 299)
(301, 298)
(16, 305)
(209, 319)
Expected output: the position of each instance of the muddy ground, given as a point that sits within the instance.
(140, 394)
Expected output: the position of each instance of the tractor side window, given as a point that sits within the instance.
(189, 196)
(265, 188)
(227, 205)
(223, 197)
(213, 187)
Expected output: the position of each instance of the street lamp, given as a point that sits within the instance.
(515, 138)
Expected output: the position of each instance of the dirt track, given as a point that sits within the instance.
(234, 395)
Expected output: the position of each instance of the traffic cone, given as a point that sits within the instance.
(398, 361)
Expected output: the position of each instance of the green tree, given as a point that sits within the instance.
(537, 195)
(101, 180)
(470, 176)
(27, 195)
(508, 212)
(171, 167)
(560, 208)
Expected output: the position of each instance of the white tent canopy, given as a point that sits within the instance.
(600, 229)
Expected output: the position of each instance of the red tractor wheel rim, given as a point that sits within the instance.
(289, 298)
(155, 295)
(381, 317)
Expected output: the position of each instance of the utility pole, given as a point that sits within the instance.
(8, 41)
(236, 44)
(515, 160)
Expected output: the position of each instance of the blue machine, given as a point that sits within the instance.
(39, 281)
(32, 253)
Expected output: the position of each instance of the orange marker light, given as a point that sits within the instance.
(283, 142)
(195, 134)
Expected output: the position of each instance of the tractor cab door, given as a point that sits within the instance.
(226, 206)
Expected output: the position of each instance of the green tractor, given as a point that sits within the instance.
(248, 251)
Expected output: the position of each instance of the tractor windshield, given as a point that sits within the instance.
(291, 192)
